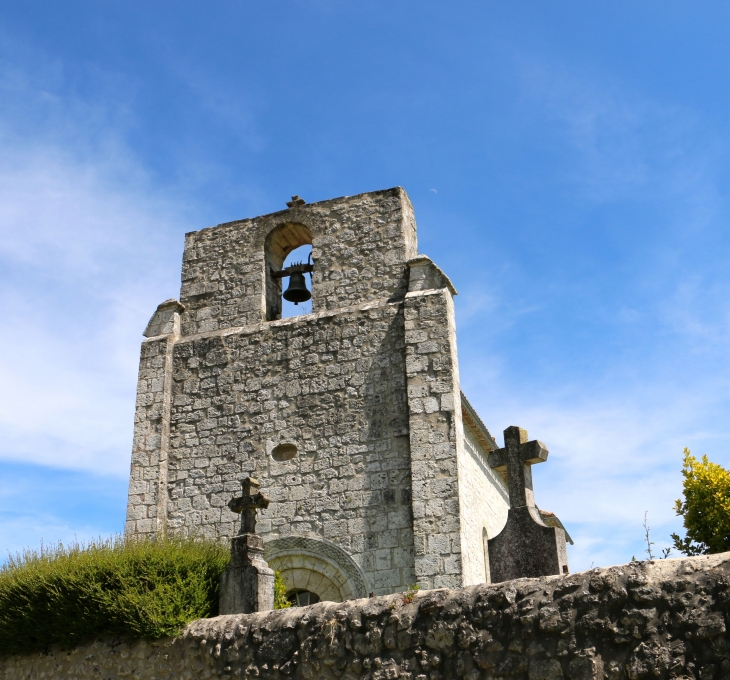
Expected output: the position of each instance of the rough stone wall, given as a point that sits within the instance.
(359, 243)
(485, 502)
(646, 620)
(333, 384)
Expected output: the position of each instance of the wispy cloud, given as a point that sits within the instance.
(41, 505)
(88, 248)
(612, 457)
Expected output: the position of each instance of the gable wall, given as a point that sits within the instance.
(367, 387)
(334, 385)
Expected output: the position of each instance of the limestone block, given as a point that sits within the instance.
(425, 275)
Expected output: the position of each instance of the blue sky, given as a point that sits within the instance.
(568, 164)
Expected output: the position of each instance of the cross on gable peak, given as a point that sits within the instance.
(516, 445)
(516, 458)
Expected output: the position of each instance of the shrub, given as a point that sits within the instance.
(280, 599)
(706, 507)
(410, 594)
(68, 595)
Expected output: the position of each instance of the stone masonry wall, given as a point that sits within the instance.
(366, 387)
(434, 404)
(333, 384)
(645, 620)
(148, 472)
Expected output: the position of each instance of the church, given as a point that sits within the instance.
(350, 417)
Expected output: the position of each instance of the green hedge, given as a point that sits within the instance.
(137, 589)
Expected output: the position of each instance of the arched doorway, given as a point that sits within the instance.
(302, 598)
(317, 566)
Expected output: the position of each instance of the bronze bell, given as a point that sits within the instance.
(297, 291)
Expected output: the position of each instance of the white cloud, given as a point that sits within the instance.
(31, 530)
(615, 447)
(88, 249)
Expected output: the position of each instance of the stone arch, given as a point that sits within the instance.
(317, 565)
(280, 241)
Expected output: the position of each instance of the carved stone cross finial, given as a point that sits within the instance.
(295, 202)
(247, 504)
(526, 546)
(517, 457)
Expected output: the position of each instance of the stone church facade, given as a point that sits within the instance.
(351, 417)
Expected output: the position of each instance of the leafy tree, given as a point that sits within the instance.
(705, 509)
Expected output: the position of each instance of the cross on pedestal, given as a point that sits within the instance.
(526, 546)
(247, 584)
(517, 457)
(247, 504)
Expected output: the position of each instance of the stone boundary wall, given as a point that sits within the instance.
(661, 619)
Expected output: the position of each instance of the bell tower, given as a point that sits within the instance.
(350, 417)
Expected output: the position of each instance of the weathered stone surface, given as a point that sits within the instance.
(165, 320)
(359, 243)
(653, 620)
(247, 584)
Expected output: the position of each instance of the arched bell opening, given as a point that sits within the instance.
(281, 242)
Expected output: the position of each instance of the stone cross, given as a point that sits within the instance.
(247, 584)
(247, 504)
(517, 457)
(295, 202)
(526, 547)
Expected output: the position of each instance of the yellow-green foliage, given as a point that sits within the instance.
(706, 507)
(280, 600)
(67, 595)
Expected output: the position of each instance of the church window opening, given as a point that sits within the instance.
(485, 548)
(286, 246)
(302, 598)
(284, 452)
